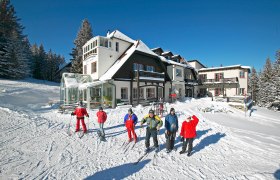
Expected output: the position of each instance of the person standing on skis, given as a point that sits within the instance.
(80, 112)
(154, 124)
(130, 120)
(171, 126)
(101, 118)
(188, 133)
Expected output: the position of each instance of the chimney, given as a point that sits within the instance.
(108, 32)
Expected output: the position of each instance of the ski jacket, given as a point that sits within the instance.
(171, 123)
(80, 112)
(152, 122)
(130, 120)
(101, 116)
(188, 128)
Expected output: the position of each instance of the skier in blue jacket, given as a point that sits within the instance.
(171, 126)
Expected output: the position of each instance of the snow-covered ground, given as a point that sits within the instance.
(34, 143)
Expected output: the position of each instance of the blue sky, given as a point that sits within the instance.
(215, 32)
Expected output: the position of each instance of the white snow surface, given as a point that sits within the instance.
(34, 143)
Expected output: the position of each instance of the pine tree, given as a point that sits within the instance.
(275, 89)
(265, 95)
(84, 34)
(253, 85)
(14, 62)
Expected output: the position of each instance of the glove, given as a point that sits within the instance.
(88, 116)
(158, 128)
(72, 114)
(182, 139)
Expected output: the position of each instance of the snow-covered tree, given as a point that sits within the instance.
(275, 88)
(253, 84)
(14, 62)
(84, 34)
(265, 96)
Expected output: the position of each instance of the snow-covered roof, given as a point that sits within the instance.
(71, 82)
(91, 84)
(167, 52)
(137, 46)
(175, 63)
(120, 35)
(225, 67)
(74, 80)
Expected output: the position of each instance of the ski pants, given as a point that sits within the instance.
(83, 124)
(170, 140)
(101, 129)
(131, 130)
(149, 133)
(188, 142)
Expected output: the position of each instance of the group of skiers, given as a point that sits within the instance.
(154, 123)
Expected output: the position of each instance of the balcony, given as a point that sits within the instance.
(149, 76)
(191, 81)
(233, 80)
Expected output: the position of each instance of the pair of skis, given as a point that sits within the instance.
(146, 154)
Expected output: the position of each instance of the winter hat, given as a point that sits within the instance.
(80, 103)
(172, 109)
(130, 110)
(100, 108)
(151, 111)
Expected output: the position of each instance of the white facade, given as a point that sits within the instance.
(225, 81)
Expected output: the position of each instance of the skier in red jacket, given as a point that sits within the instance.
(130, 120)
(101, 118)
(80, 112)
(188, 133)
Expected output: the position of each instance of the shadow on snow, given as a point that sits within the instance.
(212, 139)
(119, 172)
(277, 174)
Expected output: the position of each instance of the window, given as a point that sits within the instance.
(110, 44)
(160, 92)
(219, 76)
(178, 72)
(124, 93)
(117, 46)
(85, 69)
(150, 68)
(109, 91)
(106, 43)
(202, 77)
(91, 45)
(93, 67)
(140, 66)
(150, 92)
(241, 91)
(242, 74)
(141, 93)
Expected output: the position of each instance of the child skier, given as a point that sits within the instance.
(153, 125)
(101, 118)
(188, 133)
(171, 126)
(130, 120)
(80, 112)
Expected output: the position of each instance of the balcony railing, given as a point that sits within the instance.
(191, 81)
(224, 80)
(149, 75)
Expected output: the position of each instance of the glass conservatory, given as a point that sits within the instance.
(77, 87)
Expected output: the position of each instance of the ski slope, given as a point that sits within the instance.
(34, 143)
